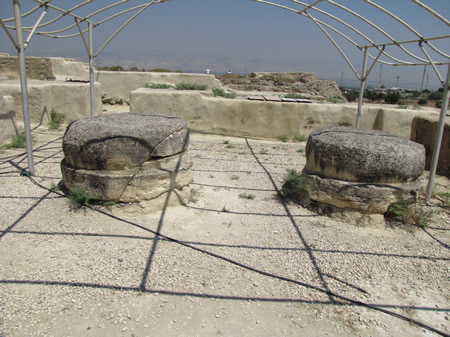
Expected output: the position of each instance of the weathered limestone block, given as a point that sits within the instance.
(8, 128)
(123, 141)
(363, 156)
(357, 174)
(423, 131)
(364, 197)
(153, 179)
(127, 157)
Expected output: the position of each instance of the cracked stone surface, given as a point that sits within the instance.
(360, 173)
(127, 157)
(148, 182)
(123, 141)
(363, 156)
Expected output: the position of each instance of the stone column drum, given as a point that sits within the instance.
(362, 171)
(127, 157)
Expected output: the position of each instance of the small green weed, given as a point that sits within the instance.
(263, 151)
(300, 138)
(225, 210)
(56, 118)
(399, 209)
(283, 138)
(226, 141)
(17, 142)
(229, 146)
(334, 100)
(190, 86)
(402, 106)
(408, 212)
(293, 184)
(79, 197)
(247, 196)
(222, 93)
(294, 96)
(158, 86)
(300, 150)
(234, 177)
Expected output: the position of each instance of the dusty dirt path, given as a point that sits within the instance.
(269, 270)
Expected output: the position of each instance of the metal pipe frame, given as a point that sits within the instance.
(438, 140)
(304, 9)
(30, 35)
(91, 69)
(361, 88)
(24, 86)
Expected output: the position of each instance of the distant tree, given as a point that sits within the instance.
(133, 69)
(436, 95)
(392, 98)
(161, 70)
(116, 68)
(351, 95)
(422, 101)
(371, 95)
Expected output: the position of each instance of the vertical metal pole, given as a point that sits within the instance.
(438, 140)
(362, 87)
(23, 85)
(91, 70)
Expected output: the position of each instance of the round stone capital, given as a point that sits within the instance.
(363, 156)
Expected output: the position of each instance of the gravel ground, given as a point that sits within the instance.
(243, 262)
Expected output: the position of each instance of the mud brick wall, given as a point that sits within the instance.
(38, 68)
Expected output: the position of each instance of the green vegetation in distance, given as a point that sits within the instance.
(294, 96)
(334, 100)
(190, 86)
(158, 86)
(283, 138)
(222, 93)
(300, 138)
(161, 70)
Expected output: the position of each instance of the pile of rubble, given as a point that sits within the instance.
(306, 83)
(114, 100)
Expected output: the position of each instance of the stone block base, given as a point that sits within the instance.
(153, 179)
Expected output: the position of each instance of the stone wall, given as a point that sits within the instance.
(38, 68)
(7, 125)
(424, 130)
(120, 84)
(71, 99)
(241, 117)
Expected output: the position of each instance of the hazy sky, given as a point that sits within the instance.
(245, 36)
